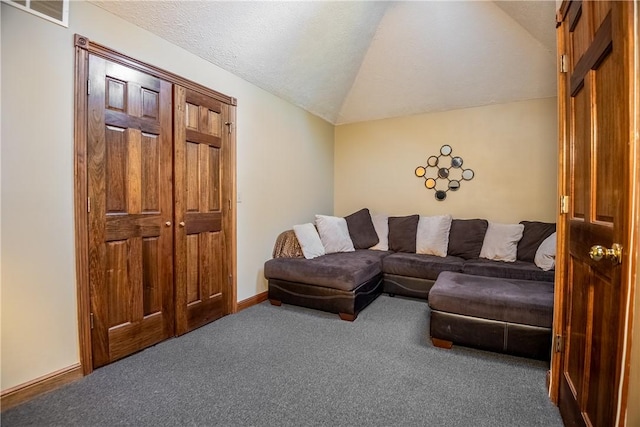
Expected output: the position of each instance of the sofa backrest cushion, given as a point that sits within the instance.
(334, 234)
(402, 233)
(534, 234)
(546, 253)
(309, 240)
(466, 237)
(363, 233)
(501, 241)
(381, 224)
(433, 235)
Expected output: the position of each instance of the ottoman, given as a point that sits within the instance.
(497, 314)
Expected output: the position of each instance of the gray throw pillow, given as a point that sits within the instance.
(466, 237)
(361, 230)
(402, 233)
(535, 232)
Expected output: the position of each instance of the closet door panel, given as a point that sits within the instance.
(201, 257)
(193, 273)
(150, 174)
(151, 280)
(130, 210)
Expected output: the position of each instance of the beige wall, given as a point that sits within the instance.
(511, 147)
(284, 175)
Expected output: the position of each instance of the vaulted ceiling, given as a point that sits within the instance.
(363, 60)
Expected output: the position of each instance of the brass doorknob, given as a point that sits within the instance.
(181, 224)
(168, 223)
(598, 252)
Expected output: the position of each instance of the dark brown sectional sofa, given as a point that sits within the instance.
(346, 282)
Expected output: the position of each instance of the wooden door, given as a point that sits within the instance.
(202, 203)
(597, 103)
(129, 173)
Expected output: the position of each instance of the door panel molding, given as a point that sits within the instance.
(83, 49)
(563, 191)
(81, 204)
(592, 58)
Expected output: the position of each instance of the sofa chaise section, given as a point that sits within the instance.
(342, 283)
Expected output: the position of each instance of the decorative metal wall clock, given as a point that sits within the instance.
(444, 172)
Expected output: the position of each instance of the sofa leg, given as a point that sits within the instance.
(391, 294)
(437, 342)
(275, 302)
(347, 317)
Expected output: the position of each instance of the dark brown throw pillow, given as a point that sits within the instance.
(534, 234)
(466, 237)
(402, 233)
(361, 230)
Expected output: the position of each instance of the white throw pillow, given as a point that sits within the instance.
(501, 241)
(309, 240)
(432, 237)
(381, 224)
(546, 254)
(334, 234)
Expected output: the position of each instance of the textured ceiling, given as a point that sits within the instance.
(354, 61)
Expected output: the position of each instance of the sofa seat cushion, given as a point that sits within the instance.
(509, 300)
(344, 271)
(509, 270)
(420, 265)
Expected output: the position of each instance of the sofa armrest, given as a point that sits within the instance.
(287, 246)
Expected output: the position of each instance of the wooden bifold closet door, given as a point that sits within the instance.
(200, 151)
(130, 210)
(157, 184)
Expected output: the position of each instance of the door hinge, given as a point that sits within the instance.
(229, 125)
(91, 320)
(564, 67)
(564, 204)
(558, 346)
(89, 204)
(88, 87)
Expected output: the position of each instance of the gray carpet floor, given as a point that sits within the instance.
(290, 366)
